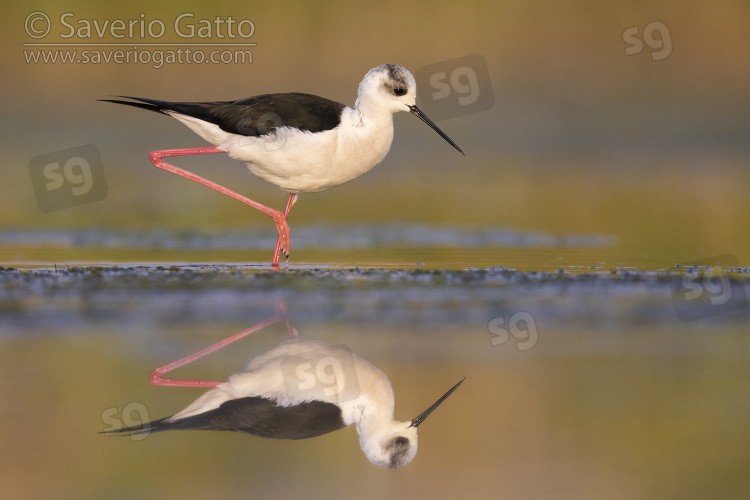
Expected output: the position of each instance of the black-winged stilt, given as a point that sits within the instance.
(301, 143)
(300, 389)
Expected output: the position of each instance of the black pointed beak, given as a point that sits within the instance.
(418, 113)
(422, 416)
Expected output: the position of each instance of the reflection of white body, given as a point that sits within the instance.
(304, 389)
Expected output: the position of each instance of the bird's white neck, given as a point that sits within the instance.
(371, 113)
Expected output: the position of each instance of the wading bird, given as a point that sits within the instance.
(301, 143)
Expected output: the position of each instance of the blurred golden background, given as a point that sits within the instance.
(647, 152)
(581, 139)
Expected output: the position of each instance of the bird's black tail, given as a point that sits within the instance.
(139, 102)
(202, 421)
(153, 426)
(201, 110)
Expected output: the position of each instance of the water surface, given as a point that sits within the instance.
(578, 384)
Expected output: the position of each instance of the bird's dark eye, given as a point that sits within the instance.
(399, 91)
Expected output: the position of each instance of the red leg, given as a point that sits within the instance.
(292, 200)
(157, 375)
(279, 245)
(279, 218)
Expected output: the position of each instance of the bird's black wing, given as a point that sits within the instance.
(254, 116)
(257, 416)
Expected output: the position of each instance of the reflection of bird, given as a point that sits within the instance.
(299, 142)
(304, 389)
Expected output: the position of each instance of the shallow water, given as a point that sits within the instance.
(579, 383)
(553, 265)
(391, 246)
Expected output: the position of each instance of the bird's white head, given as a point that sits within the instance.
(390, 88)
(392, 444)
(389, 445)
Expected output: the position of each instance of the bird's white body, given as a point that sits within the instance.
(299, 161)
(298, 142)
(304, 162)
(360, 389)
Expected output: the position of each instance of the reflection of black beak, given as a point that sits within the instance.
(418, 113)
(422, 416)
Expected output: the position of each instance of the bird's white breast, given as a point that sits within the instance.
(302, 162)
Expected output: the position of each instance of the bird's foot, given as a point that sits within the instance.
(283, 241)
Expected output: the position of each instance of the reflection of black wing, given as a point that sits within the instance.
(259, 417)
(254, 116)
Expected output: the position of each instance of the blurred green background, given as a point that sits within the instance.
(582, 138)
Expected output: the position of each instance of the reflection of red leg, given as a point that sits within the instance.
(157, 375)
(292, 331)
(279, 218)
